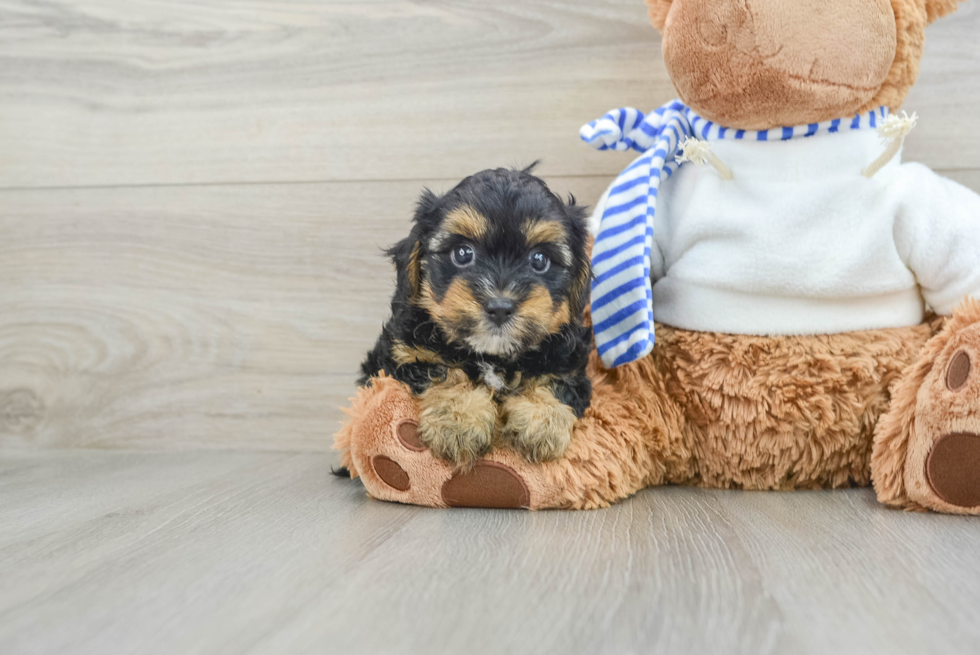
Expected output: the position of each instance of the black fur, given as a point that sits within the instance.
(507, 199)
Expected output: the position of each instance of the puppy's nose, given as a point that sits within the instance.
(500, 310)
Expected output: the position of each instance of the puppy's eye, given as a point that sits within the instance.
(463, 256)
(539, 262)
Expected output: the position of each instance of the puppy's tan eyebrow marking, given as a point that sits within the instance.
(537, 233)
(466, 222)
(463, 221)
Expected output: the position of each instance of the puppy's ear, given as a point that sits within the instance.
(658, 9)
(529, 169)
(407, 256)
(408, 253)
(936, 9)
(579, 293)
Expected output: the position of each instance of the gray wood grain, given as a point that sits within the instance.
(194, 317)
(103, 92)
(171, 309)
(230, 317)
(192, 261)
(259, 553)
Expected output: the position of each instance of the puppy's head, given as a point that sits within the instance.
(499, 262)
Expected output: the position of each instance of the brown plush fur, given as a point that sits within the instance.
(707, 409)
(730, 411)
(923, 409)
(753, 88)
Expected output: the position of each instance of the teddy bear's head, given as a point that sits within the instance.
(760, 64)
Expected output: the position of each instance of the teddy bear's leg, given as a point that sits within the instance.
(927, 448)
(380, 444)
(624, 443)
(785, 412)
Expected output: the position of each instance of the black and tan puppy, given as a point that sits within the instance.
(486, 323)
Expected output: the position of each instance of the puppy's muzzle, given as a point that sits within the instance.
(499, 310)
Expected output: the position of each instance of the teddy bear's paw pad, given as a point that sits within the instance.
(391, 473)
(408, 435)
(953, 468)
(489, 485)
(392, 461)
(958, 373)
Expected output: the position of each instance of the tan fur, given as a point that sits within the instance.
(370, 431)
(940, 8)
(657, 11)
(923, 409)
(415, 271)
(538, 232)
(786, 64)
(732, 79)
(457, 419)
(891, 434)
(457, 305)
(579, 291)
(911, 18)
(910, 24)
(405, 354)
(466, 222)
(787, 412)
(536, 424)
(538, 315)
(560, 317)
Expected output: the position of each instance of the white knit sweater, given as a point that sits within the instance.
(800, 242)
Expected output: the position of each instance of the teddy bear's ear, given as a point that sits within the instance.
(658, 12)
(938, 8)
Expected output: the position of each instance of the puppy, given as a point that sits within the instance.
(486, 320)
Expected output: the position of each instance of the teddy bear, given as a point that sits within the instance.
(778, 301)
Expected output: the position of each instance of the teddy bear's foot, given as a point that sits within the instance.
(382, 446)
(626, 441)
(948, 432)
(937, 413)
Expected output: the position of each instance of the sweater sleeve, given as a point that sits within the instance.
(937, 233)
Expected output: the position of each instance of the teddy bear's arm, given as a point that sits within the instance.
(937, 233)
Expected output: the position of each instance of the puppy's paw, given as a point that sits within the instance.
(537, 425)
(456, 422)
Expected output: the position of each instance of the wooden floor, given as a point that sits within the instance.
(193, 201)
(266, 553)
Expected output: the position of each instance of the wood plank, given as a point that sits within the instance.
(106, 93)
(194, 317)
(257, 553)
(197, 317)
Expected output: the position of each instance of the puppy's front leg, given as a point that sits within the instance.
(536, 423)
(457, 419)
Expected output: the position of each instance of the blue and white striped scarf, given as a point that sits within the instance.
(622, 293)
